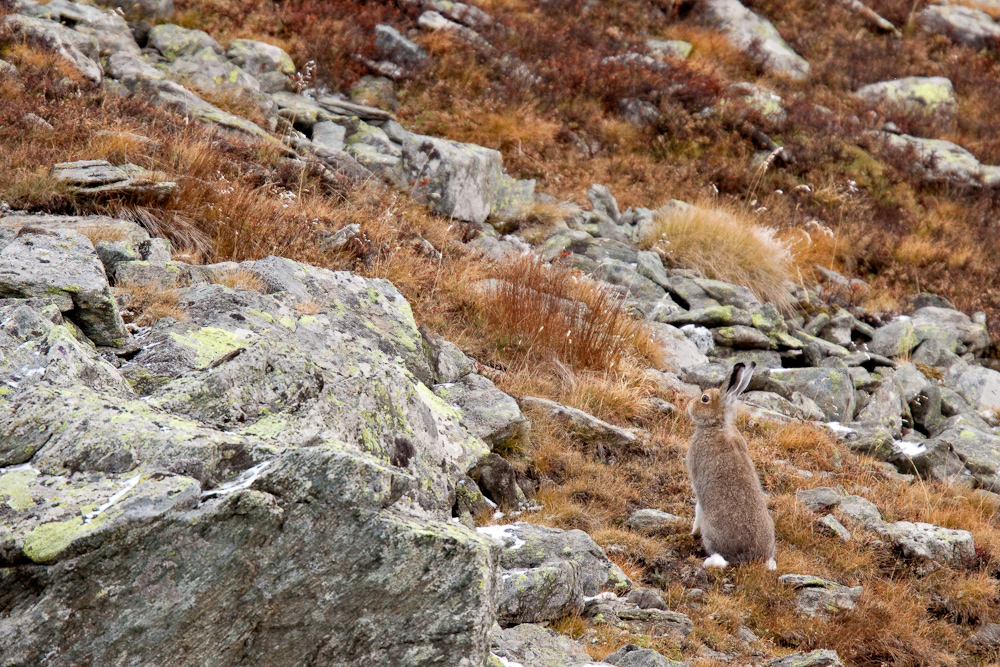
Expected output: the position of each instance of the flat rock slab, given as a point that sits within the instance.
(930, 546)
(931, 95)
(820, 658)
(585, 426)
(63, 267)
(485, 411)
(529, 644)
(100, 177)
(652, 521)
(819, 597)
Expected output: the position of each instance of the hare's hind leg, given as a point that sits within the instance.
(696, 528)
(772, 564)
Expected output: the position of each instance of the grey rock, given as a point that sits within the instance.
(712, 316)
(742, 337)
(819, 597)
(679, 351)
(627, 615)
(800, 408)
(469, 502)
(700, 336)
(174, 42)
(80, 50)
(978, 385)
(625, 276)
(498, 481)
(754, 35)
(275, 451)
(172, 95)
(578, 422)
(328, 135)
(63, 267)
(941, 161)
(529, 644)
(649, 265)
(462, 181)
(447, 362)
(835, 528)
(209, 70)
(548, 572)
(830, 388)
(259, 57)
(820, 658)
(965, 25)
(604, 202)
(669, 48)
(652, 521)
(484, 410)
(860, 510)
(763, 101)
(94, 178)
(933, 95)
(148, 9)
(396, 48)
(987, 638)
(886, 406)
(631, 655)
(930, 546)
(646, 598)
(820, 498)
(838, 330)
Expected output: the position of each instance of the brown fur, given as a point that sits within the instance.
(734, 521)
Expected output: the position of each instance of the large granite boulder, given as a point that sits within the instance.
(256, 484)
(966, 25)
(930, 95)
(755, 35)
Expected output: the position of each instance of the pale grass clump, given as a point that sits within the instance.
(727, 245)
(149, 302)
(104, 232)
(537, 312)
(241, 279)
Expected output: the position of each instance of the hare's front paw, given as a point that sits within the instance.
(715, 560)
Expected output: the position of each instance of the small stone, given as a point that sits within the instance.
(646, 598)
(861, 510)
(833, 527)
(820, 498)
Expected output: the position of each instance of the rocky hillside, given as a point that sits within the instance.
(340, 333)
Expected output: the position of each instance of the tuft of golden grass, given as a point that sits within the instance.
(104, 232)
(149, 302)
(536, 312)
(241, 279)
(728, 245)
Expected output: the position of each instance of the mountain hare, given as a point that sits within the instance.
(730, 512)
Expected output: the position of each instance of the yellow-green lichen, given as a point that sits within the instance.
(14, 487)
(208, 343)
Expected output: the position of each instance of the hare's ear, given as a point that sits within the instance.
(738, 380)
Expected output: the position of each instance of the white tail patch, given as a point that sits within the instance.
(715, 560)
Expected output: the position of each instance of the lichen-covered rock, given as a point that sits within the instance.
(396, 48)
(831, 388)
(669, 48)
(585, 426)
(631, 655)
(99, 178)
(463, 181)
(820, 498)
(965, 25)
(63, 268)
(652, 521)
(820, 658)
(978, 385)
(174, 42)
(498, 480)
(259, 57)
(629, 616)
(87, 22)
(286, 484)
(537, 646)
(860, 510)
(548, 572)
(484, 410)
(929, 95)
(208, 70)
(938, 160)
(818, 597)
(930, 546)
(754, 35)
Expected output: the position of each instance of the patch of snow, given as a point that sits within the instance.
(910, 449)
(502, 534)
(606, 595)
(507, 574)
(498, 515)
(243, 334)
(490, 502)
(128, 486)
(507, 663)
(23, 466)
(246, 478)
(839, 428)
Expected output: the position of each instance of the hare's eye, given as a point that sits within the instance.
(705, 398)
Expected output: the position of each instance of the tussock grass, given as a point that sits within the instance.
(726, 245)
(541, 312)
(149, 302)
(241, 279)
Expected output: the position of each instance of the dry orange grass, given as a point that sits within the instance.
(149, 302)
(240, 279)
(537, 313)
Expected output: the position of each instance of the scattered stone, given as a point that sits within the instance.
(831, 388)
(756, 36)
(101, 178)
(652, 521)
(631, 655)
(987, 638)
(818, 597)
(670, 48)
(173, 41)
(835, 528)
(396, 48)
(930, 546)
(529, 644)
(484, 410)
(820, 498)
(965, 25)
(259, 57)
(80, 50)
(820, 658)
(938, 160)
(584, 425)
(933, 95)
(860, 510)
(498, 481)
